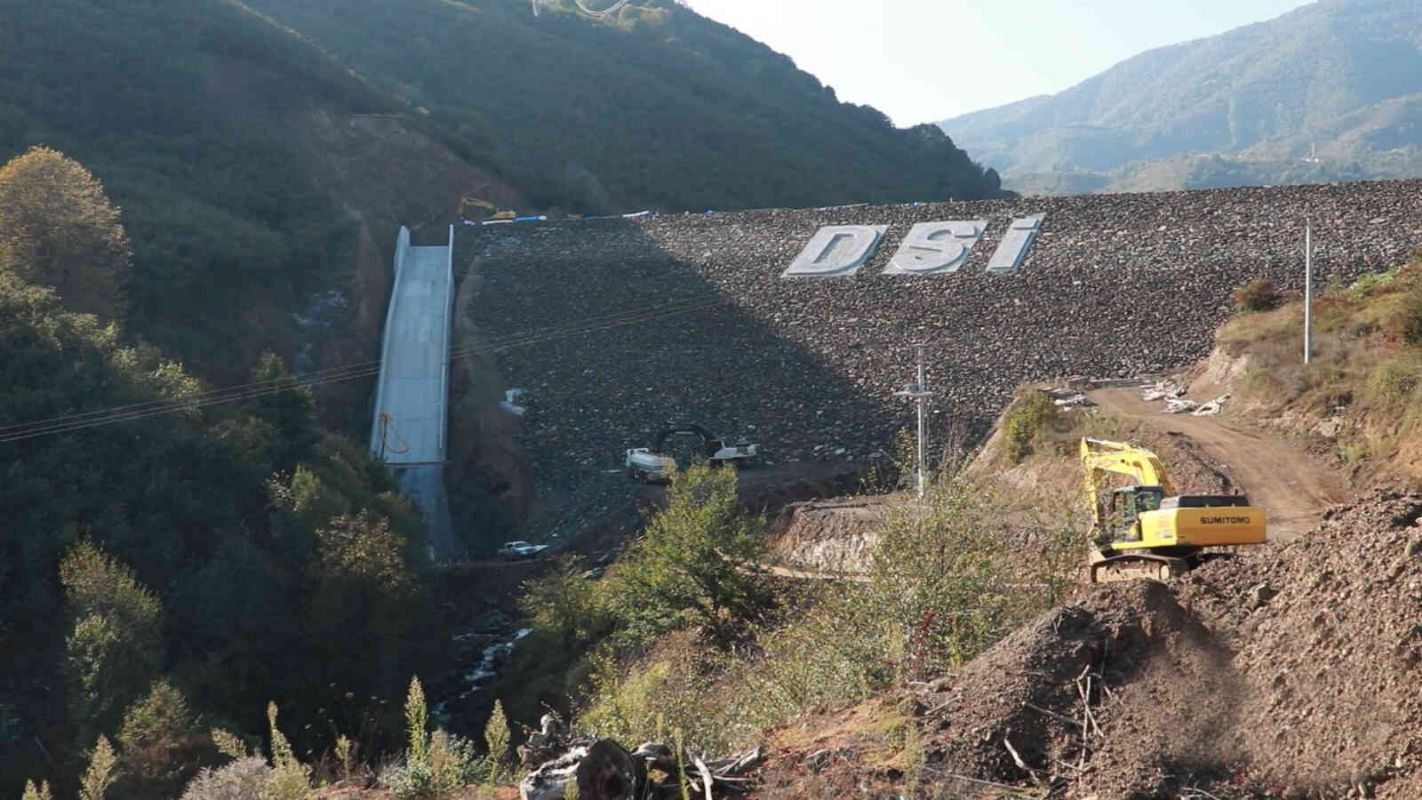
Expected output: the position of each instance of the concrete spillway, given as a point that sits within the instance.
(409, 432)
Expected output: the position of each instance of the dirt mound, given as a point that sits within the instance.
(1328, 640)
(1287, 672)
(830, 536)
(1016, 716)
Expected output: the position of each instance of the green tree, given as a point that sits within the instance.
(100, 774)
(697, 563)
(291, 411)
(159, 742)
(58, 228)
(365, 599)
(115, 641)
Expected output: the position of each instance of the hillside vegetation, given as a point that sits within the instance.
(181, 569)
(1362, 395)
(228, 229)
(656, 107)
(1242, 108)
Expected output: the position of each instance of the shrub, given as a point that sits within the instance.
(565, 607)
(1259, 294)
(159, 740)
(697, 564)
(113, 648)
(290, 779)
(950, 577)
(244, 779)
(497, 737)
(435, 764)
(100, 774)
(1407, 324)
(1031, 415)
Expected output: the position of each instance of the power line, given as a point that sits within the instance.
(69, 423)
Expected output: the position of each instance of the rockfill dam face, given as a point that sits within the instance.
(618, 327)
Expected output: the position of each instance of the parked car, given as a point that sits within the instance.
(519, 551)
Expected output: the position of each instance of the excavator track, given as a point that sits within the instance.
(1134, 567)
(1145, 565)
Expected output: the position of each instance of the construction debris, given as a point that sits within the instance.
(1068, 398)
(603, 770)
(1211, 408)
(1164, 390)
(1180, 406)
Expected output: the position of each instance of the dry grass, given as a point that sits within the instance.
(1367, 365)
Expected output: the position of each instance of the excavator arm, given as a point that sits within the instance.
(1100, 457)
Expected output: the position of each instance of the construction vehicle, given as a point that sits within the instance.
(1145, 530)
(655, 465)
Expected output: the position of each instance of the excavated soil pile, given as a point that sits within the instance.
(1287, 672)
(1023, 699)
(1328, 634)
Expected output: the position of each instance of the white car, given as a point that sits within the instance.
(518, 551)
(644, 465)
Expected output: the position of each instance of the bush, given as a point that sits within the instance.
(290, 779)
(1407, 325)
(1259, 294)
(950, 578)
(243, 779)
(100, 774)
(697, 564)
(435, 764)
(1031, 415)
(160, 740)
(114, 645)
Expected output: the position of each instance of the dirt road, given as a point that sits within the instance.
(1293, 485)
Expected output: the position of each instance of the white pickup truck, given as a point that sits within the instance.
(654, 465)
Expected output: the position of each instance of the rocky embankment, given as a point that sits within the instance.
(618, 327)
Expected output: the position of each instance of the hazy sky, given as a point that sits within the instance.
(925, 60)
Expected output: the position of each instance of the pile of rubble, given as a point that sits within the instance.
(618, 327)
(1173, 395)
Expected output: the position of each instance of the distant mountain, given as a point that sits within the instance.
(652, 106)
(1246, 107)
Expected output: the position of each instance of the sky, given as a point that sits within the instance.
(928, 60)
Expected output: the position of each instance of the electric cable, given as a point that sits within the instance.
(69, 423)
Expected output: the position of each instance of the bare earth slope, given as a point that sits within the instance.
(1277, 474)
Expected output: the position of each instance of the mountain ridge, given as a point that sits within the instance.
(1260, 97)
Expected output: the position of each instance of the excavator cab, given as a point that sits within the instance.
(1121, 523)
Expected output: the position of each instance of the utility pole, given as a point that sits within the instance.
(919, 393)
(1308, 290)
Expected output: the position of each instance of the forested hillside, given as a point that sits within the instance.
(178, 558)
(1246, 107)
(656, 106)
(160, 99)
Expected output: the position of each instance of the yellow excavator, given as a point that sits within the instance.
(1145, 530)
